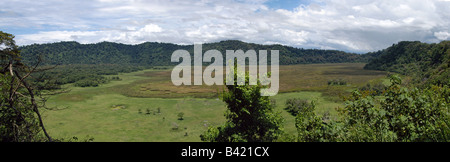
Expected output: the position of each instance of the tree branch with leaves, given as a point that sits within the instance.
(20, 119)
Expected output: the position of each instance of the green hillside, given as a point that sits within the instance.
(152, 53)
(425, 63)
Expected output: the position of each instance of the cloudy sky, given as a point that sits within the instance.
(349, 25)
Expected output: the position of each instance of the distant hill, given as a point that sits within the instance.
(426, 63)
(152, 53)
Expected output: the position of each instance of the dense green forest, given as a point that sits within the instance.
(82, 75)
(426, 63)
(152, 53)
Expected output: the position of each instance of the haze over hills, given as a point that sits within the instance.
(153, 53)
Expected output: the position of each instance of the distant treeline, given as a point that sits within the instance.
(427, 64)
(152, 53)
(80, 75)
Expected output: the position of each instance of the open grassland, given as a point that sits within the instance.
(293, 78)
(144, 105)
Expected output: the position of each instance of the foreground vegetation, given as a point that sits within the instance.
(399, 114)
(250, 116)
(20, 117)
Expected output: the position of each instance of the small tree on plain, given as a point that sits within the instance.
(180, 116)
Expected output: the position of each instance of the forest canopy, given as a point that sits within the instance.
(425, 63)
(153, 53)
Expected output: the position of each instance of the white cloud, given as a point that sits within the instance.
(443, 35)
(150, 28)
(55, 36)
(352, 25)
(370, 25)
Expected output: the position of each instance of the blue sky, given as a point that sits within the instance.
(286, 4)
(349, 25)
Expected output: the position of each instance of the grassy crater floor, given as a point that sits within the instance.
(144, 105)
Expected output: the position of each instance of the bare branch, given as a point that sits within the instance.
(34, 106)
(11, 69)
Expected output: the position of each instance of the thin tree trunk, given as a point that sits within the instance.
(34, 106)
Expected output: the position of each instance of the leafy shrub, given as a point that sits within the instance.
(180, 116)
(401, 114)
(91, 81)
(337, 82)
(309, 125)
(116, 78)
(375, 89)
(296, 105)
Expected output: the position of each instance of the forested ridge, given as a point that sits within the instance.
(426, 63)
(153, 53)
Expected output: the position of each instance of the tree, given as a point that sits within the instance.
(296, 105)
(180, 116)
(309, 125)
(20, 119)
(250, 116)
